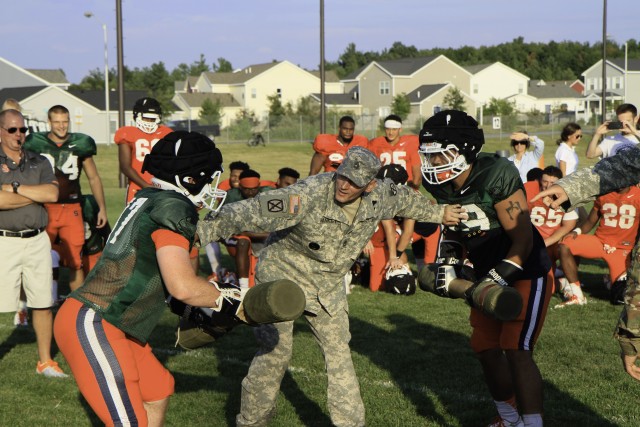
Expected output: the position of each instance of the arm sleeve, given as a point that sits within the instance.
(269, 211)
(538, 147)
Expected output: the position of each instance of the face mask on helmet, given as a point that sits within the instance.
(441, 163)
(150, 109)
(208, 197)
(147, 126)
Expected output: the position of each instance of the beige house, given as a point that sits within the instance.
(377, 83)
(427, 100)
(550, 97)
(190, 105)
(249, 88)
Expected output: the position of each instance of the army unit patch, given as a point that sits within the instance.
(281, 205)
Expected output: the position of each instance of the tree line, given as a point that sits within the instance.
(564, 60)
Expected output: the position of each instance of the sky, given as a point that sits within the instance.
(43, 34)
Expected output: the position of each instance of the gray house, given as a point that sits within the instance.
(622, 84)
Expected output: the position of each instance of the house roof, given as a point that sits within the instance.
(552, 89)
(196, 99)
(51, 76)
(19, 93)
(425, 91)
(239, 76)
(330, 76)
(473, 69)
(337, 98)
(632, 64)
(396, 67)
(96, 98)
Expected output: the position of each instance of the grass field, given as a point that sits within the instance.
(411, 354)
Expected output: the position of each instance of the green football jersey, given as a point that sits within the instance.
(125, 286)
(492, 179)
(66, 160)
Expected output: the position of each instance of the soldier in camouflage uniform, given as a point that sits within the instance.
(610, 174)
(103, 327)
(318, 227)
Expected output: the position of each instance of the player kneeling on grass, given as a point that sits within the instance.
(507, 255)
(103, 327)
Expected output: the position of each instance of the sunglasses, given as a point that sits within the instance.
(514, 143)
(14, 130)
(578, 136)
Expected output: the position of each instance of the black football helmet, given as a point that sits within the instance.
(189, 163)
(400, 281)
(147, 108)
(455, 136)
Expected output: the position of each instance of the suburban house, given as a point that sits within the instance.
(427, 100)
(550, 97)
(39, 90)
(495, 80)
(377, 83)
(623, 84)
(249, 88)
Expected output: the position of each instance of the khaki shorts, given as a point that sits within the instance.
(25, 262)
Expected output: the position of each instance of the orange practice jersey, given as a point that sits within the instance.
(403, 153)
(619, 214)
(141, 144)
(334, 151)
(547, 220)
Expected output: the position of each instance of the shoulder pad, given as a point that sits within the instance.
(84, 145)
(174, 212)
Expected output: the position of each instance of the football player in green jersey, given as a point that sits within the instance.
(503, 246)
(103, 327)
(69, 154)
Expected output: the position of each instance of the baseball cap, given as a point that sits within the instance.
(360, 166)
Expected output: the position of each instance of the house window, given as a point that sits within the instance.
(254, 93)
(436, 109)
(618, 82)
(384, 111)
(385, 87)
(590, 84)
(279, 92)
(475, 89)
(520, 88)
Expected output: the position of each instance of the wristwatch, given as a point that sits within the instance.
(15, 185)
(399, 254)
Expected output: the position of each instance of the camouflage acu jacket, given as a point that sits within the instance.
(311, 240)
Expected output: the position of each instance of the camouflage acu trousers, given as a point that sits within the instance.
(628, 328)
(261, 385)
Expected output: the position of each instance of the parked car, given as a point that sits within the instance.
(210, 131)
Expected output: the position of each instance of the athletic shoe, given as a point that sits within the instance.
(50, 369)
(572, 300)
(499, 422)
(21, 318)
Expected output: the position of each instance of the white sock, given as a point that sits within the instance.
(532, 420)
(22, 305)
(243, 282)
(508, 411)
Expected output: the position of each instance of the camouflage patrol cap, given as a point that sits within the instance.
(360, 166)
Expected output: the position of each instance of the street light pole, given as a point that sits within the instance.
(604, 61)
(106, 78)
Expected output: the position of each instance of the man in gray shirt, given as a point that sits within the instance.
(27, 181)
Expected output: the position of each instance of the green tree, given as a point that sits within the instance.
(401, 105)
(223, 66)
(198, 67)
(500, 107)
(211, 112)
(276, 110)
(453, 99)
